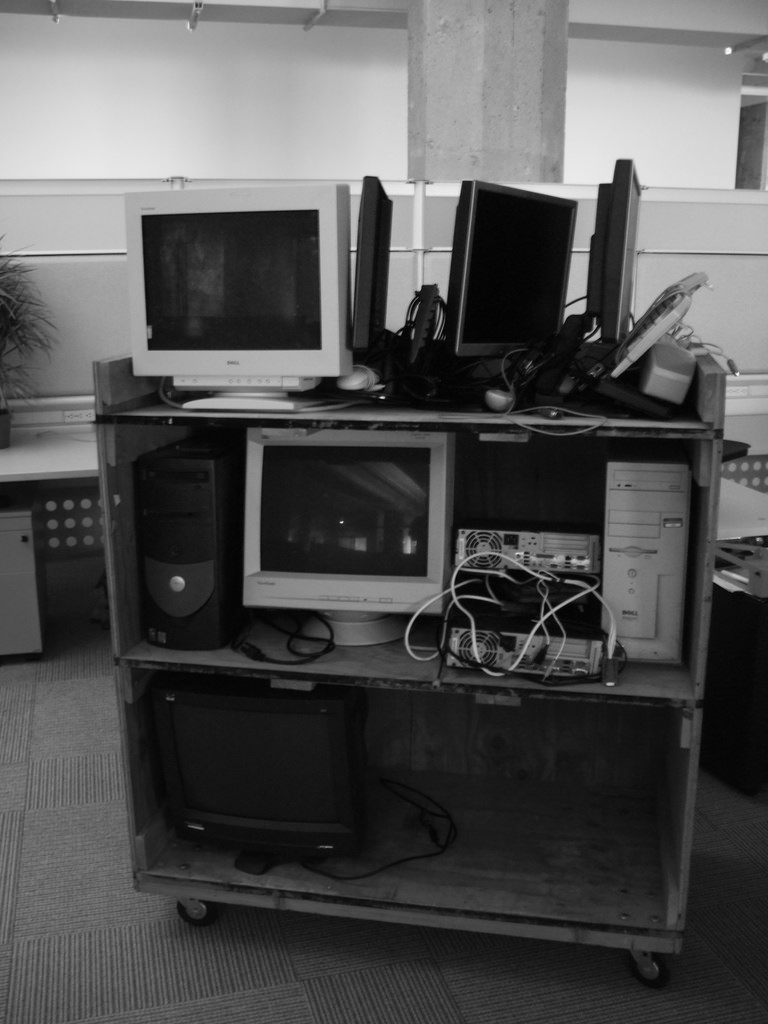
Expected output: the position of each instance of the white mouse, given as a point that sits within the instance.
(498, 400)
(362, 378)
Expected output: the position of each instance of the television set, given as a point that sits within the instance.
(273, 773)
(240, 293)
(371, 276)
(613, 251)
(353, 524)
(510, 263)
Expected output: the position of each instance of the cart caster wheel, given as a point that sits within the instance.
(649, 969)
(197, 912)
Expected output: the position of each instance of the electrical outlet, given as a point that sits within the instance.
(78, 416)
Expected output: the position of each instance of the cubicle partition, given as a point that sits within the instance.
(73, 234)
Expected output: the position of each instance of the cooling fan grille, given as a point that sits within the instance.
(487, 647)
(485, 548)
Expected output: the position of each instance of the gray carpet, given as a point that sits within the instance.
(78, 944)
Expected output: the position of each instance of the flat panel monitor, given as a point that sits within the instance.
(509, 270)
(240, 290)
(274, 771)
(353, 524)
(613, 253)
(371, 277)
(594, 306)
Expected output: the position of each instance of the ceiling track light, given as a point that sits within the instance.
(194, 15)
(55, 13)
(756, 43)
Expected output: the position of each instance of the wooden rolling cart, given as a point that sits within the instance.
(574, 805)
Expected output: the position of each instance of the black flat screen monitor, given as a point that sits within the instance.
(510, 263)
(613, 252)
(371, 280)
(594, 307)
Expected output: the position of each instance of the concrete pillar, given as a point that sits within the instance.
(486, 89)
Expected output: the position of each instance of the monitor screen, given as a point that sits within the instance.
(240, 288)
(232, 280)
(279, 771)
(509, 268)
(352, 521)
(353, 510)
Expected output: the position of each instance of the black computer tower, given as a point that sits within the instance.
(189, 528)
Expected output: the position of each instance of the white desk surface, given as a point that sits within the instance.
(49, 453)
(743, 511)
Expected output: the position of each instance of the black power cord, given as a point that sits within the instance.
(294, 635)
(420, 801)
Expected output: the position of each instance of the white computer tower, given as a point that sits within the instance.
(645, 544)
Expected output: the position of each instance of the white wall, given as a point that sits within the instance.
(100, 98)
(673, 109)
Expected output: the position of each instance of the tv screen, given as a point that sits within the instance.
(269, 770)
(240, 289)
(352, 521)
(509, 270)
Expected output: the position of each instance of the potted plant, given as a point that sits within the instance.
(25, 331)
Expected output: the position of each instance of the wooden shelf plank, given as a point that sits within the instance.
(389, 666)
(403, 418)
(524, 851)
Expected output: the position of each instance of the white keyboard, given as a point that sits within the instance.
(650, 328)
(264, 403)
(662, 316)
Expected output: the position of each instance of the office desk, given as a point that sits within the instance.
(49, 453)
(743, 511)
(38, 458)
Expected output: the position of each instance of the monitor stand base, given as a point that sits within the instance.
(357, 629)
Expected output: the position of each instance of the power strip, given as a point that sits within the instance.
(74, 410)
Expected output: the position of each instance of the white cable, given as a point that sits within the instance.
(457, 603)
(543, 577)
(411, 622)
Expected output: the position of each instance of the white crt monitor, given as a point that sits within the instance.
(351, 523)
(240, 290)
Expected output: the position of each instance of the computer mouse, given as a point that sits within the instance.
(498, 400)
(362, 378)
